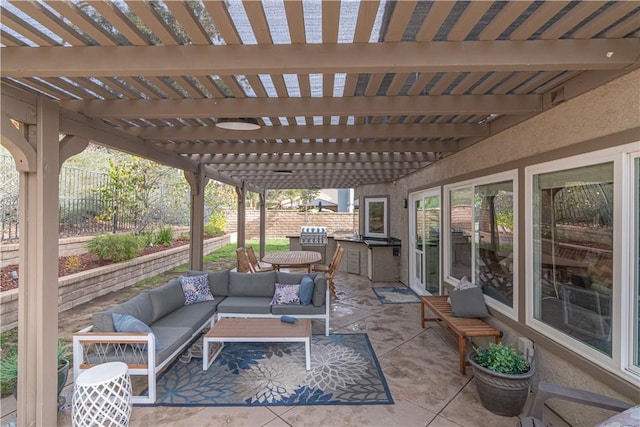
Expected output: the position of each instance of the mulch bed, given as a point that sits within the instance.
(77, 264)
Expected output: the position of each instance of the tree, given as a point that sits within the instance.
(129, 197)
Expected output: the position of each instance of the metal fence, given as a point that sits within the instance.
(80, 204)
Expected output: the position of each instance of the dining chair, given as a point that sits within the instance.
(244, 266)
(255, 264)
(331, 269)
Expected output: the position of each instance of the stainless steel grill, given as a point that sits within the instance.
(313, 236)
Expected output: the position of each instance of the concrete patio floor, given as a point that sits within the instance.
(420, 366)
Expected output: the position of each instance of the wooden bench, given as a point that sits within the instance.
(463, 327)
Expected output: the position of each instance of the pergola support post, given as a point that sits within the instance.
(38, 261)
(197, 181)
(263, 222)
(242, 216)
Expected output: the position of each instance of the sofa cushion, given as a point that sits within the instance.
(248, 305)
(218, 281)
(252, 285)
(166, 298)
(293, 278)
(306, 289)
(196, 289)
(319, 290)
(172, 337)
(286, 294)
(128, 323)
(296, 309)
(138, 306)
(190, 316)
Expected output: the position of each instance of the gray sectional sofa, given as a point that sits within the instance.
(174, 325)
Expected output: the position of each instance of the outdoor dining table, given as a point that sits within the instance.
(292, 259)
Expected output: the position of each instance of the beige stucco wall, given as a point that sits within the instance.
(592, 120)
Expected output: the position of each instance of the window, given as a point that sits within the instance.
(376, 217)
(460, 232)
(481, 243)
(573, 252)
(494, 227)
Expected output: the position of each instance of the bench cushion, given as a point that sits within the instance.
(295, 309)
(172, 337)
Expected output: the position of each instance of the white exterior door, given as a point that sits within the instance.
(424, 253)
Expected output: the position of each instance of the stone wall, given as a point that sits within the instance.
(284, 223)
(82, 287)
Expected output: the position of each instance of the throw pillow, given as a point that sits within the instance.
(128, 323)
(464, 283)
(468, 303)
(286, 294)
(196, 289)
(306, 289)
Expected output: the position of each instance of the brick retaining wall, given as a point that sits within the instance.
(285, 223)
(76, 289)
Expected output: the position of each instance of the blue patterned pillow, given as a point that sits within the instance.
(128, 323)
(286, 294)
(196, 289)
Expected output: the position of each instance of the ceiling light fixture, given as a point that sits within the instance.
(243, 123)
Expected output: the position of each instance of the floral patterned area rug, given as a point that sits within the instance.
(344, 371)
(396, 295)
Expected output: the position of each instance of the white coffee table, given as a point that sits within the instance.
(233, 329)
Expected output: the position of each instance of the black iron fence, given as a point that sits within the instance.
(81, 207)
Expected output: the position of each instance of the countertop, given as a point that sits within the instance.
(371, 241)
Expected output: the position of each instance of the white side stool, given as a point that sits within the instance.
(102, 396)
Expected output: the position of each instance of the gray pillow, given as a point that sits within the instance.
(468, 303)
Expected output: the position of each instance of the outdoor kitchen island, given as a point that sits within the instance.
(378, 259)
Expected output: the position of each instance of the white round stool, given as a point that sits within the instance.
(102, 396)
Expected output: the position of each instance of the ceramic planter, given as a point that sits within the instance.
(502, 394)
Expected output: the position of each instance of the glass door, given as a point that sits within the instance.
(424, 256)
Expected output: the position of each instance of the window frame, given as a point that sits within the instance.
(618, 363)
(631, 293)
(510, 175)
(368, 200)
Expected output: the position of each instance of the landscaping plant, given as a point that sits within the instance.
(502, 358)
(115, 247)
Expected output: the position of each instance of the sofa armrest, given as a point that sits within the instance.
(137, 350)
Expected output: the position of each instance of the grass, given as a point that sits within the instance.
(9, 339)
(229, 251)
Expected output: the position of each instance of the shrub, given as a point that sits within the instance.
(215, 227)
(74, 263)
(502, 358)
(115, 247)
(164, 236)
(147, 238)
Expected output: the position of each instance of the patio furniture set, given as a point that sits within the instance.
(153, 328)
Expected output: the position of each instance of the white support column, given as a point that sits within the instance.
(197, 181)
(242, 216)
(38, 261)
(263, 222)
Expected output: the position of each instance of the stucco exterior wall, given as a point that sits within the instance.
(582, 124)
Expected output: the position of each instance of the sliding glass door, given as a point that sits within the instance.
(424, 256)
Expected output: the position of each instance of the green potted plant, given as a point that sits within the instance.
(502, 377)
(9, 369)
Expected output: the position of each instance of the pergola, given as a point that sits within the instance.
(345, 93)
